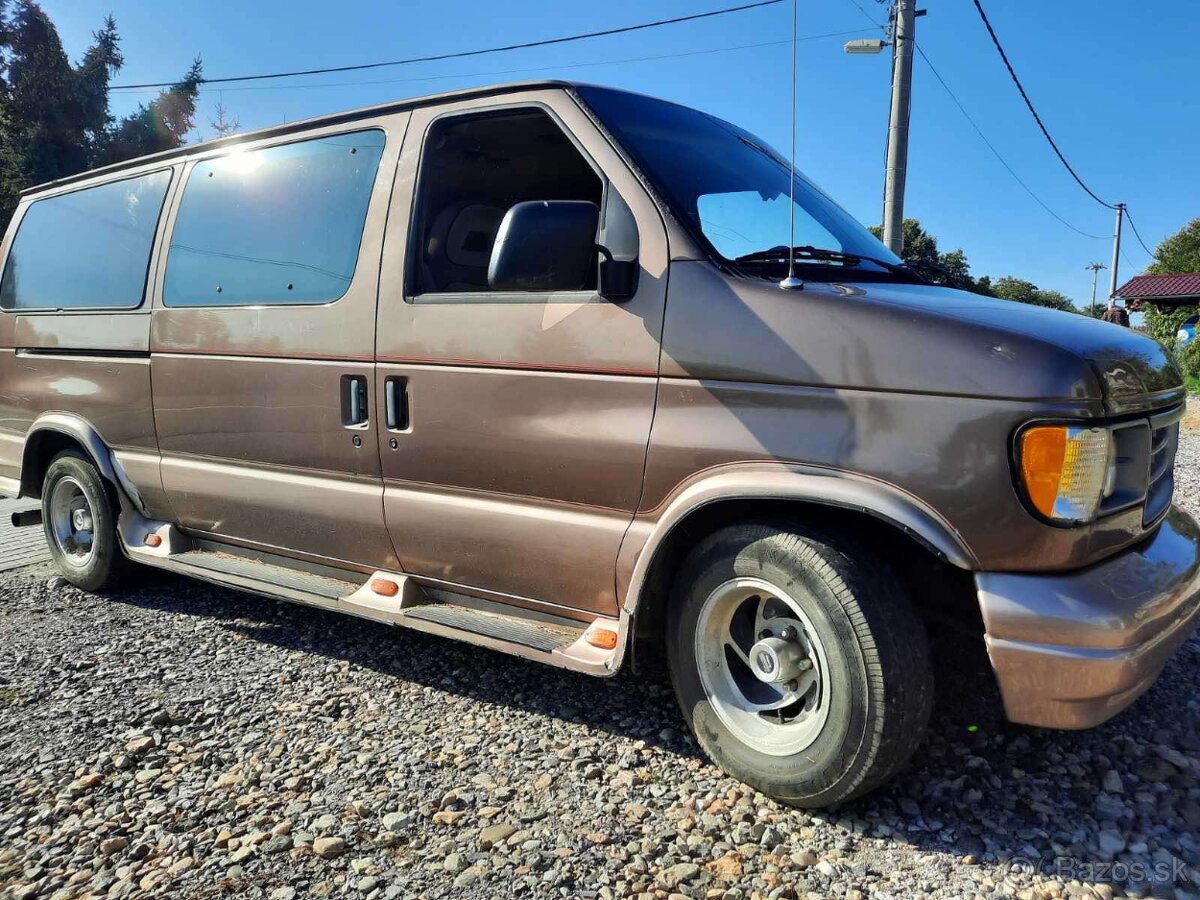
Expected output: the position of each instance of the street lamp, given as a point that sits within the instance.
(865, 45)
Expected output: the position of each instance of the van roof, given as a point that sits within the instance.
(301, 125)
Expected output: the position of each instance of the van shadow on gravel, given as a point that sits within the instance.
(978, 786)
(967, 696)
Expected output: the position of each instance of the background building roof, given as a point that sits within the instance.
(1177, 288)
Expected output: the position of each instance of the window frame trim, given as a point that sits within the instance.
(222, 153)
(412, 242)
(151, 254)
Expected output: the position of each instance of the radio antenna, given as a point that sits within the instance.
(792, 283)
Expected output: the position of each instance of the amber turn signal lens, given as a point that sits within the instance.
(1042, 453)
(602, 638)
(153, 540)
(384, 588)
(1064, 470)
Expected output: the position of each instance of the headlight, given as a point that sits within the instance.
(1066, 470)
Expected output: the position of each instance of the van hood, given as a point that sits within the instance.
(1132, 370)
(906, 338)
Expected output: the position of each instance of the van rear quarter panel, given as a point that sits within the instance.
(94, 366)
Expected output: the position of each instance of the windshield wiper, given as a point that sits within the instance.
(807, 252)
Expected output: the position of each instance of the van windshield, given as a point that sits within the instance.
(730, 187)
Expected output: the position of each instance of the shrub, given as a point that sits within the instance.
(1189, 361)
(1163, 325)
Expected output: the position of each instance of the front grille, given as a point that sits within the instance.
(1164, 441)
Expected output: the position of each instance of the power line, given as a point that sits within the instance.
(1135, 232)
(462, 53)
(582, 65)
(870, 18)
(1029, 103)
(996, 153)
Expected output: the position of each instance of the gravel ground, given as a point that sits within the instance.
(183, 740)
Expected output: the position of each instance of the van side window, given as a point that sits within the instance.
(474, 168)
(87, 249)
(281, 225)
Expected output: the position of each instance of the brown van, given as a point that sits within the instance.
(514, 365)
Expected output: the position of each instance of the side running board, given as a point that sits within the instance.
(388, 597)
(254, 573)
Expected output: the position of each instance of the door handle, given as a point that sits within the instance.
(396, 403)
(355, 412)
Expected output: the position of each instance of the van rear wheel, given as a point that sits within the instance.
(80, 521)
(798, 662)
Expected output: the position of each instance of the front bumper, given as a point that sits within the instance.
(1071, 650)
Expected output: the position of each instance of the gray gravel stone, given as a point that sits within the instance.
(256, 749)
(329, 847)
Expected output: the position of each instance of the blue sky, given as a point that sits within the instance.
(1114, 81)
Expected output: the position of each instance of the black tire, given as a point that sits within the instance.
(106, 564)
(880, 678)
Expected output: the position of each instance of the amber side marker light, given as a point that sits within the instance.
(153, 540)
(384, 588)
(602, 638)
(1064, 470)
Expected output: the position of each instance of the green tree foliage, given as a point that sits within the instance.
(1163, 322)
(52, 111)
(101, 61)
(950, 269)
(921, 251)
(1011, 288)
(222, 125)
(1176, 254)
(54, 115)
(162, 124)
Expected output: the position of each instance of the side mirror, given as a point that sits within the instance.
(545, 245)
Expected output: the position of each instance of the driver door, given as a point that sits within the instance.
(516, 422)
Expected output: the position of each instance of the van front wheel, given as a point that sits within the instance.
(798, 662)
(80, 521)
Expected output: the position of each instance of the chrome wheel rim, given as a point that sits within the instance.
(72, 521)
(763, 666)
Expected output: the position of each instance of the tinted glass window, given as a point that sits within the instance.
(738, 222)
(474, 169)
(85, 249)
(279, 225)
(724, 182)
